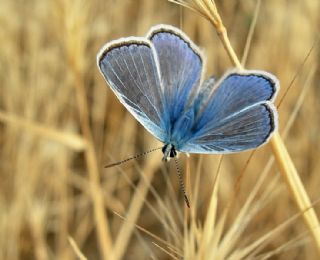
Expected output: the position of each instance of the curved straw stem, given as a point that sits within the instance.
(208, 10)
(283, 159)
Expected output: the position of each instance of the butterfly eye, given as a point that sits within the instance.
(173, 152)
(164, 148)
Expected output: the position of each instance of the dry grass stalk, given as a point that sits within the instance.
(250, 34)
(73, 141)
(166, 251)
(207, 9)
(76, 249)
(76, 39)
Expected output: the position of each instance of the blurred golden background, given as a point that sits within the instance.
(60, 124)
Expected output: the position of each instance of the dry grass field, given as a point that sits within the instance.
(60, 124)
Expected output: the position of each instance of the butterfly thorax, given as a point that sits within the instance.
(169, 151)
(179, 131)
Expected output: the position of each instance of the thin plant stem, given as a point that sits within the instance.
(76, 249)
(250, 34)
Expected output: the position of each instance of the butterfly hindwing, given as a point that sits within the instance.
(130, 68)
(237, 116)
(236, 91)
(246, 130)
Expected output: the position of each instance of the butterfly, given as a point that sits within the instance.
(159, 79)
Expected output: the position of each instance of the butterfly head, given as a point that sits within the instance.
(169, 151)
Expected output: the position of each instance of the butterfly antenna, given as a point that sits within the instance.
(133, 157)
(181, 182)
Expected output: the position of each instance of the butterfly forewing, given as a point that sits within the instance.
(180, 68)
(130, 68)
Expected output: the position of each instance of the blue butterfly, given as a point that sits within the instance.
(159, 79)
